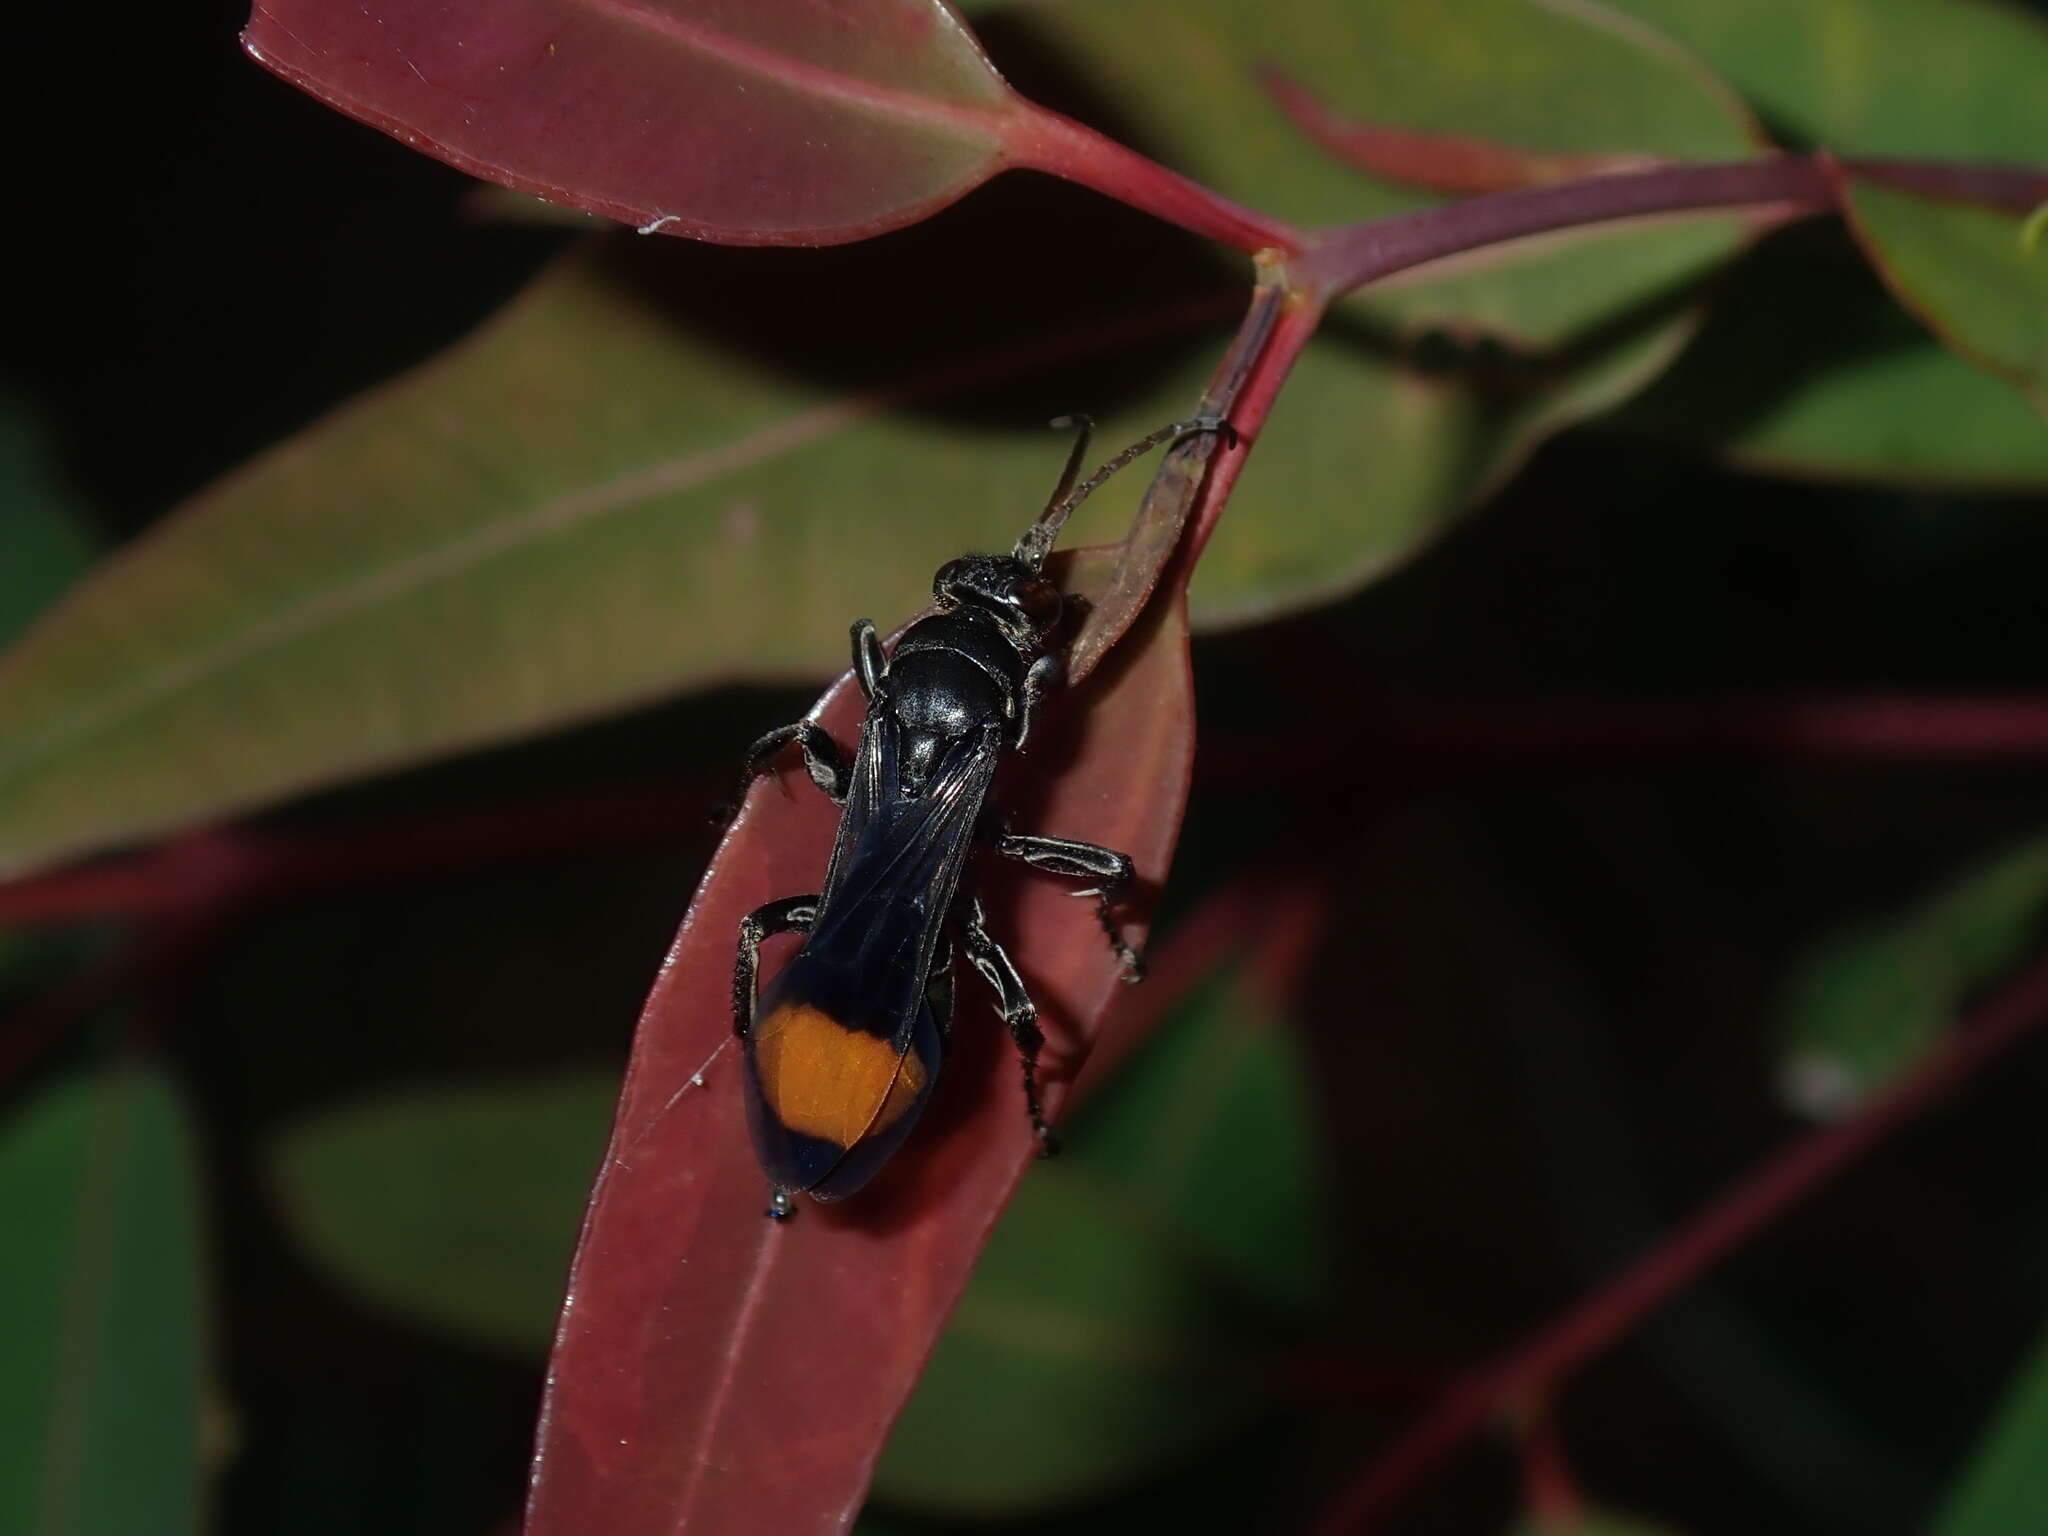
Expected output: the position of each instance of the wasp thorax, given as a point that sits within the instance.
(1025, 604)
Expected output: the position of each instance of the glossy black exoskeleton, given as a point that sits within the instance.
(843, 1047)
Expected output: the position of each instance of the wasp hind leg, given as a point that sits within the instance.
(793, 914)
(1017, 1009)
(1111, 871)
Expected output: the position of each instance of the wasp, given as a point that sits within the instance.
(843, 1047)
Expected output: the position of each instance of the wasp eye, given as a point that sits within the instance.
(1041, 603)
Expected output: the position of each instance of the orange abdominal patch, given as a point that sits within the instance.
(825, 1080)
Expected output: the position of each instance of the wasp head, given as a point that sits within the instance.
(1025, 606)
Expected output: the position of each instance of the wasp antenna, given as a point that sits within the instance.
(1036, 543)
(1083, 428)
(1038, 538)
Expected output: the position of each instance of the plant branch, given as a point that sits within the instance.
(1534, 1371)
(1503, 732)
(1353, 255)
(1508, 734)
(1350, 256)
(1043, 140)
(1299, 315)
(1195, 475)
(240, 864)
(2014, 188)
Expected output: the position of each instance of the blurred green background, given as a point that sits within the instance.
(290, 1184)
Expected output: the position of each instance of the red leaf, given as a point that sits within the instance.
(732, 120)
(1437, 162)
(716, 1371)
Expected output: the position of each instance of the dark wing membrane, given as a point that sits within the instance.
(893, 880)
(846, 1040)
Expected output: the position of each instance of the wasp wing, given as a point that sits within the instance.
(847, 1038)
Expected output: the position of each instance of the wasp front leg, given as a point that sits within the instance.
(1014, 1003)
(1044, 676)
(792, 914)
(1111, 871)
(868, 663)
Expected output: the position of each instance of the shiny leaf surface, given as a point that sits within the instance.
(719, 119)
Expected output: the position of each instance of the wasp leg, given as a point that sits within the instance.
(868, 665)
(823, 761)
(1017, 1009)
(1111, 871)
(1044, 676)
(792, 914)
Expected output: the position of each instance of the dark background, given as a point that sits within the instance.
(1541, 1019)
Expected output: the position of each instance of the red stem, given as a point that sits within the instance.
(2015, 188)
(1350, 256)
(1489, 736)
(1535, 1371)
(1291, 333)
(1059, 146)
(1507, 732)
(1549, 1491)
(237, 864)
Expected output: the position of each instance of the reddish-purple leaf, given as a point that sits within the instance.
(1456, 164)
(752, 122)
(743, 121)
(718, 1372)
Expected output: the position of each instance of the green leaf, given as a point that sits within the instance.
(2005, 1489)
(586, 508)
(1914, 78)
(44, 544)
(1967, 273)
(1547, 77)
(600, 499)
(100, 1398)
(1808, 367)
(456, 1207)
(1870, 1004)
(1104, 1335)
(1307, 525)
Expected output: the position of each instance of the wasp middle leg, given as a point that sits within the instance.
(1016, 1007)
(1111, 871)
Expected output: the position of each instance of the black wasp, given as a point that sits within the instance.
(843, 1048)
